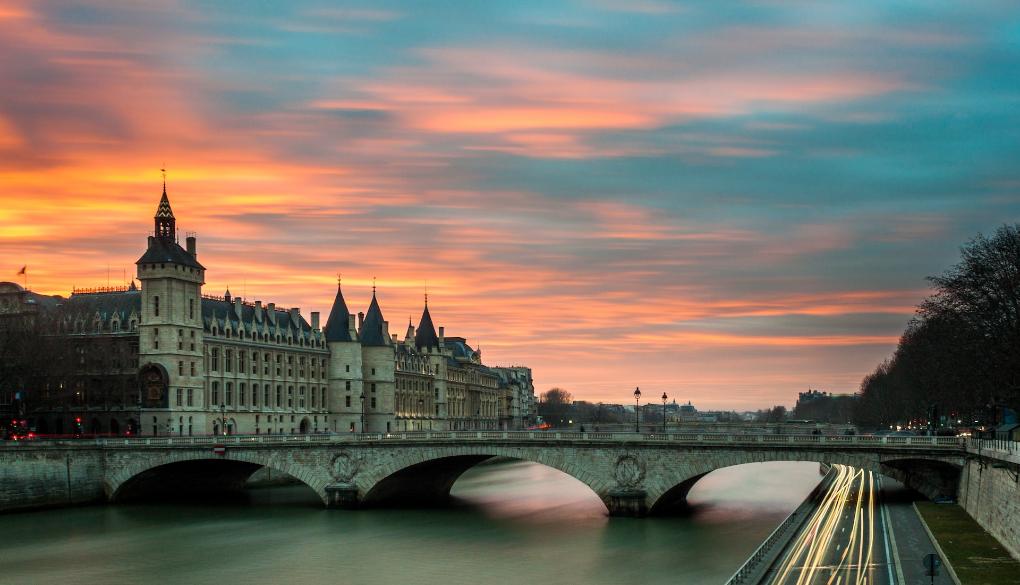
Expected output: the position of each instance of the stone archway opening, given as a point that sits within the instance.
(929, 478)
(202, 480)
(524, 483)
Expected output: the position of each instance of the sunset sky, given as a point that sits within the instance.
(727, 202)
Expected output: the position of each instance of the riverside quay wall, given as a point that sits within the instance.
(40, 478)
(990, 490)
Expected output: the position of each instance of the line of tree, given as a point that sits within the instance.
(961, 351)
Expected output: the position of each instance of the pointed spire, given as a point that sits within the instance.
(337, 324)
(372, 327)
(426, 335)
(166, 225)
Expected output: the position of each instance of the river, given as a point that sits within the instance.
(515, 523)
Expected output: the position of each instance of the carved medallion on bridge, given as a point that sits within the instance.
(629, 471)
(345, 467)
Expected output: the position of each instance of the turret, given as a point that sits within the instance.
(345, 367)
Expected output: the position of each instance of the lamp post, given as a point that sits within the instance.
(223, 418)
(637, 410)
(362, 411)
(421, 412)
(664, 413)
(138, 425)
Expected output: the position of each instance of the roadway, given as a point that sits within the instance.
(863, 531)
(845, 541)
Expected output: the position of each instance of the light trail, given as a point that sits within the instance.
(837, 544)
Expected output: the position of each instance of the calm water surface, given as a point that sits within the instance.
(517, 523)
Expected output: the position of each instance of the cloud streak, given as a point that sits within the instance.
(729, 208)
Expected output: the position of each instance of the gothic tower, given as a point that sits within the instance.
(170, 347)
(345, 377)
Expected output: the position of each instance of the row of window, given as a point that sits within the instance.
(316, 367)
(267, 338)
(316, 397)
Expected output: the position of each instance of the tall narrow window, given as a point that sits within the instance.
(191, 398)
(155, 306)
(191, 308)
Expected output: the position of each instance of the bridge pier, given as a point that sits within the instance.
(627, 503)
(342, 496)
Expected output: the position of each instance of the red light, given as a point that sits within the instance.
(77, 419)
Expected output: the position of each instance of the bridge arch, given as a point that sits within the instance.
(932, 476)
(425, 476)
(141, 473)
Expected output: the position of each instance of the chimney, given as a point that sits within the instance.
(442, 333)
(271, 310)
(295, 315)
(315, 320)
(386, 329)
(258, 311)
(237, 306)
(361, 320)
(350, 326)
(191, 246)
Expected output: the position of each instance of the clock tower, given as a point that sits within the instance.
(171, 397)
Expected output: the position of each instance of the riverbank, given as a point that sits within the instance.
(975, 555)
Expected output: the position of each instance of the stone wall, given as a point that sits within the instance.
(39, 477)
(991, 495)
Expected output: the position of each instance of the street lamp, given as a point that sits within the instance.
(362, 411)
(637, 410)
(223, 418)
(664, 413)
(421, 412)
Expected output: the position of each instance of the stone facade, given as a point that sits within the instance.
(166, 359)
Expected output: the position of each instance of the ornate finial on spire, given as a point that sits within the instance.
(166, 225)
(426, 292)
(163, 172)
(338, 280)
(373, 286)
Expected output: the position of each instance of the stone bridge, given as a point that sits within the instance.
(633, 474)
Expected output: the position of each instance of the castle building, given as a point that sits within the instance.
(166, 359)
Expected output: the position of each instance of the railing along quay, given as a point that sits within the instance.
(752, 567)
(695, 439)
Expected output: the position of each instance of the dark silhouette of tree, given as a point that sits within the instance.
(962, 350)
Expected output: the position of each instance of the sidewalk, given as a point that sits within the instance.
(912, 541)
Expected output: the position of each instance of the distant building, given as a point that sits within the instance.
(821, 406)
(164, 358)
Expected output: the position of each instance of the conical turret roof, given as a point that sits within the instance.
(337, 326)
(426, 334)
(372, 328)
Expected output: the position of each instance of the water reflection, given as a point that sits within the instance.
(516, 522)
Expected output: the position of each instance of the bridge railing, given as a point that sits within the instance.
(1008, 447)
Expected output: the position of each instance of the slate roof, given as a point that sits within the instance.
(107, 305)
(166, 250)
(337, 326)
(221, 312)
(372, 327)
(426, 336)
